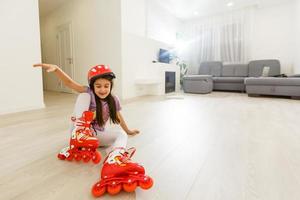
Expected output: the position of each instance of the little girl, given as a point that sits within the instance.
(118, 172)
(97, 97)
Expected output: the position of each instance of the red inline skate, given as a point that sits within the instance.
(83, 145)
(119, 172)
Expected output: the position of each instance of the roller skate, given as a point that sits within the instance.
(83, 145)
(119, 172)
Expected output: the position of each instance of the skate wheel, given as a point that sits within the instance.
(96, 157)
(114, 188)
(77, 157)
(61, 157)
(70, 158)
(129, 186)
(97, 190)
(86, 158)
(146, 183)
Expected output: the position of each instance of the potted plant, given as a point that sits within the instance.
(183, 69)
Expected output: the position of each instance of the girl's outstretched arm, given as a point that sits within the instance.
(65, 78)
(124, 126)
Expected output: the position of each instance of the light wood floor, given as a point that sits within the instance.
(225, 146)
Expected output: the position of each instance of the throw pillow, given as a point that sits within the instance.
(265, 72)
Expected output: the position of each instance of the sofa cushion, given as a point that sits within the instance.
(228, 79)
(210, 68)
(256, 67)
(197, 77)
(235, 70)
(273, 81)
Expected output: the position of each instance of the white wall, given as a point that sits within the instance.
(140, 44)
(137, 56)
(147, 19)
(134, 17)
(297, 38)
(97, 37)
(272, 35)
(20, 84)
(160, 24)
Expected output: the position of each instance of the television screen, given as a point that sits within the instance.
(164, 56)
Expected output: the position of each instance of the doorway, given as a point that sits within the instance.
(64, 46)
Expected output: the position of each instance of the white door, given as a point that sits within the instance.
(65, 52)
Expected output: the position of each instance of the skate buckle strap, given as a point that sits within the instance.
(130, 151)
(85, 124)
(126, 156)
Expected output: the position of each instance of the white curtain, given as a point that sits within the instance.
(219, 38)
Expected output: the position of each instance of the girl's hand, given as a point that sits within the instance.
(133, 132)
(47, 67)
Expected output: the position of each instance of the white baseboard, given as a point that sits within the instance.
(21, 109)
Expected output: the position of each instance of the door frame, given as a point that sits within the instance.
(68, 25)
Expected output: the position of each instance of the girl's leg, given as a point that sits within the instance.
(82, 104)
(113, 138)
(80, 136)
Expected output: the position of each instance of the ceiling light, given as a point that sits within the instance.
(196, 13)
(230, 4)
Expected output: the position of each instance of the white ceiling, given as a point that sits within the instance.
(185, 9)
(182, 9)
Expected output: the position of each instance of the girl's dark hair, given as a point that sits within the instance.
(110, 101)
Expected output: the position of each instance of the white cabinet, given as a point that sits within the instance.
(153, 80)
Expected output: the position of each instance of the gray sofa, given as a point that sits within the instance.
(232, 78)
(273, 86)
(223, 77)
(242, 77)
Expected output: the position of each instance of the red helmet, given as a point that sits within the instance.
(99, 71)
